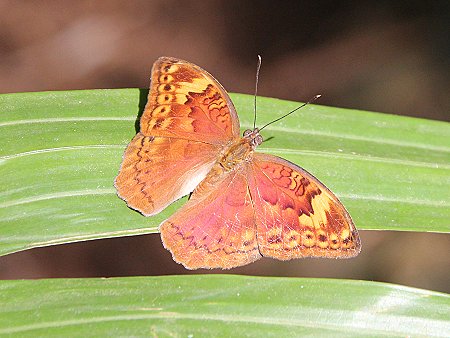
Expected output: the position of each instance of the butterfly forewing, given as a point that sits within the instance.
(187, 122)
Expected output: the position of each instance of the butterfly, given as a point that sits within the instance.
(244, 204)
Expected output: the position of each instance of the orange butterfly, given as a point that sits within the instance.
(244, 204)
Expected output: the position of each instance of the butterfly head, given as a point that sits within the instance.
(254, 137)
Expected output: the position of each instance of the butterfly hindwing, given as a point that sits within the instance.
(215, 228)
(296, 215)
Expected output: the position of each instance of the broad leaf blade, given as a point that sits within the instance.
(219, 306)
(60, 152)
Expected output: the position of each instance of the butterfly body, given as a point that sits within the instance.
(244, 204)
(240, 151)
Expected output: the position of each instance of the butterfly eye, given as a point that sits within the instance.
(247, 132)
(258, 140)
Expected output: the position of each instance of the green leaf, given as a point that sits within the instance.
(219, 306)
(60, 152)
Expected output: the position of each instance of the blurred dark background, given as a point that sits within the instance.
(386, 56)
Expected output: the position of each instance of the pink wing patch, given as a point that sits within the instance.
(215, 228)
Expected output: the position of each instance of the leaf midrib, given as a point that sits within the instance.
(346, 136)
(342, 326)
(325, 154)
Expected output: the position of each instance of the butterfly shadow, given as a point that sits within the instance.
(143, 97)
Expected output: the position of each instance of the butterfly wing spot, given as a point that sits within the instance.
(322, 239)
(169, 68)
(346, 239)
(160, 112)
(308, 238)
(293, 239)
(164, 98)
(249, 239)
(275, 239)
(334, 241)
(166, 78)
(166, 88)
(162, 123)
(345, 234)
(247, 243)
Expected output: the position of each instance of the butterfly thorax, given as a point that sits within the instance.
(237, 153)
(241, 150)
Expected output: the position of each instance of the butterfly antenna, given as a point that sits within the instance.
(292, 111)
(258, 66)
